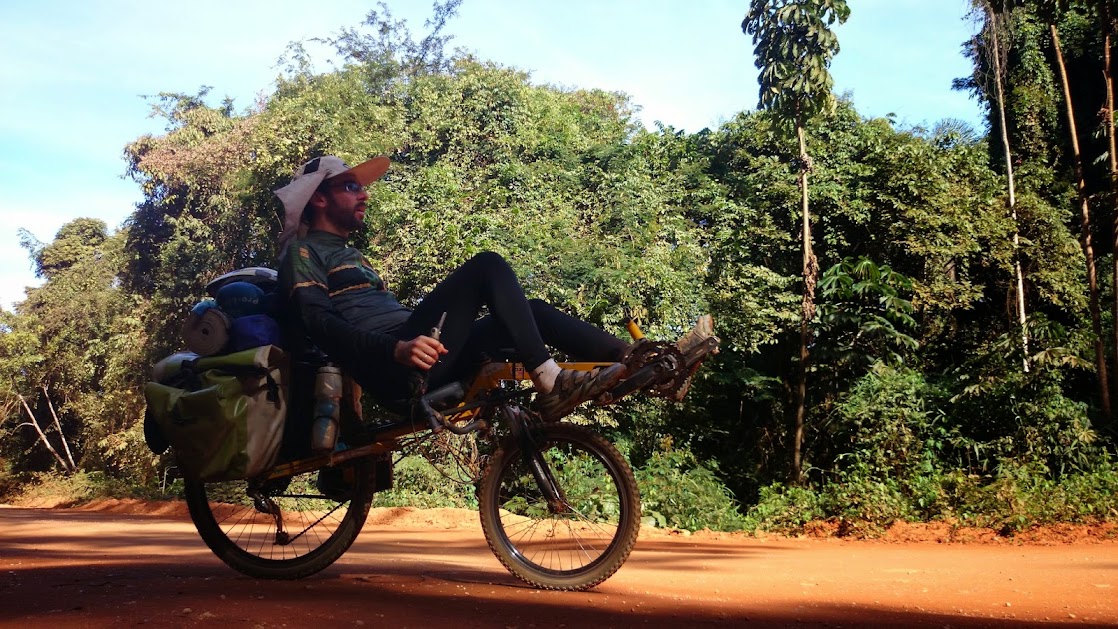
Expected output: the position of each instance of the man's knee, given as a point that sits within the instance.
(538, 305)
(488, 264)
(488, 258)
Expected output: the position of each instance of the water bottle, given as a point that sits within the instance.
(327, 396)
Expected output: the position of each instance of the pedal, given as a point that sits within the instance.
(665, 369)
(694, 359)
(652, 366)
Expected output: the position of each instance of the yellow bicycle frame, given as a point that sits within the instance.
(490, 377)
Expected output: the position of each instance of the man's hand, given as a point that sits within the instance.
(421, 352)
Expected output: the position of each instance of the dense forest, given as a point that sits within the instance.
(916, 323)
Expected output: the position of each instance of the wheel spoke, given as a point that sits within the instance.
(578, 544)
(317, 529)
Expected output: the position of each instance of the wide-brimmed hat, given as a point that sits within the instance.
(310, 176)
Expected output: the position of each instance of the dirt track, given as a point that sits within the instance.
(433, 569)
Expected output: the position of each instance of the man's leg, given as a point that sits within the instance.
(484, 280)
(487, 280)
(574, 337)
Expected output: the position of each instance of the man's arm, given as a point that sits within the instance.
(303, 279)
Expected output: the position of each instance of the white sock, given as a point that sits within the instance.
(544, 376)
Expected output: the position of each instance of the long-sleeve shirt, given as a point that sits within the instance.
(339, 301)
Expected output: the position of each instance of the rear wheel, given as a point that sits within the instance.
(576, 541)
(286, 528)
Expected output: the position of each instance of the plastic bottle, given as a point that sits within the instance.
(327, 396)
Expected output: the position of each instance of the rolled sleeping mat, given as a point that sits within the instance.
(206, 333)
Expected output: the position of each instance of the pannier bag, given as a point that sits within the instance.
(222, 415)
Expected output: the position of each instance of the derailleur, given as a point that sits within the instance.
(261, 495)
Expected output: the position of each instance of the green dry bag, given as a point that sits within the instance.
(221, 415)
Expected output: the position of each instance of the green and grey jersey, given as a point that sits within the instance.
(339, 300)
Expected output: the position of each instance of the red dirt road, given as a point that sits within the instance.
(83, 568)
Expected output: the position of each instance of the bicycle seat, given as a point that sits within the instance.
(426, 408)
(505, 354)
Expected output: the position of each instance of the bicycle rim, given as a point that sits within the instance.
(578, 543)
(236, 520)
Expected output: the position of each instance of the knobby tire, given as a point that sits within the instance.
(320, 529)
(573, 548)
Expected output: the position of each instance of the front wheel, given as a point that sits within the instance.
(577, 530)
(285, 528)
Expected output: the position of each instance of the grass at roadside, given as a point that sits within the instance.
(680, 494)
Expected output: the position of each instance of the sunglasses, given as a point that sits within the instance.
(351, 187)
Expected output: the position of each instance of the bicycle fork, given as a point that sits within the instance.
(532, 454)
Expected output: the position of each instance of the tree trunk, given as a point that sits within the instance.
(1085, 225)
(1108, 112)
(1012, 199)
(58, 427)
(43, 437)
(810, 273)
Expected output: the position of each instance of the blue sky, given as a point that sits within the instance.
(74, 74)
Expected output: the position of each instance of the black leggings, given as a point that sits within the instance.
(513, 322)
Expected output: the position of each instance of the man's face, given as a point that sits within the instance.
(345, 204)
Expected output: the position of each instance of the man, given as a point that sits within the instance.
(344, 307)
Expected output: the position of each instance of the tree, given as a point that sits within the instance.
(1050, 11)
(993, 29)
(74, 240)
(386, 51)
(72, 356)
(864, 315)
(794, 46)
(1109, 15)
(19, 358)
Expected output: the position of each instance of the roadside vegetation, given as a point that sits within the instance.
(917, 324)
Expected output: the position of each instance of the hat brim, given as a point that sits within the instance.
(369, 171)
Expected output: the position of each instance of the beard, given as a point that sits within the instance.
(347, 217)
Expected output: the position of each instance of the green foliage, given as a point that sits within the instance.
(917, 406)
(11, 481)
(886, 423)
(679, 492)
(1022, 495)
(1019, 497)
(784, 509)
(862, 313)
(385, 49)
(862, 506)
(794, 45)
(1026, 418)
(75, 349)
(889, 438)
(905, 452)
(417, 484)
(75, 241)
(73, 489)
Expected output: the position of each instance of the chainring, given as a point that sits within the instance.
(648, 352)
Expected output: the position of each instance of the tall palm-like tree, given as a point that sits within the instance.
(794, 45)
(1108, 12)
(993, 14)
